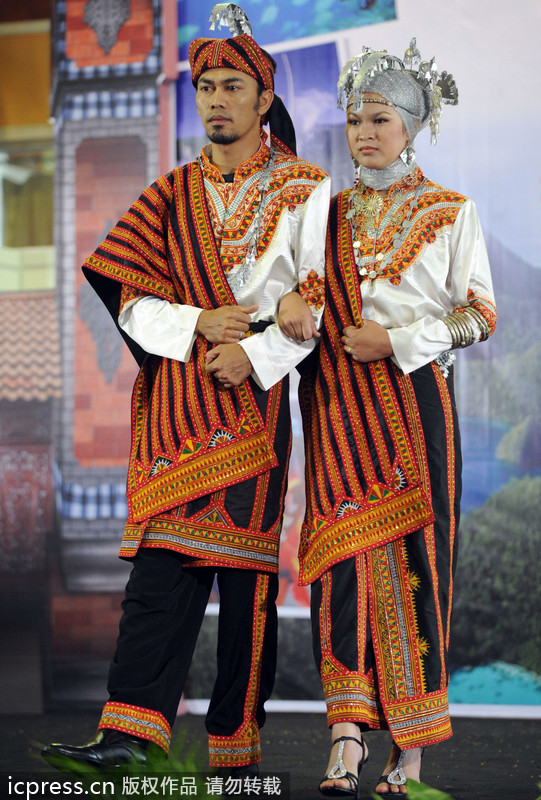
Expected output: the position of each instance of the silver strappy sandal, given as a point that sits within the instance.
(396, 777)
(339, 771)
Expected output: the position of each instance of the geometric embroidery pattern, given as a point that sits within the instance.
(211, 537)
(364, 487)
(141, 722)
(211, 471)
(190, 439)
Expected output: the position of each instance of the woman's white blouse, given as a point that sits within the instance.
(447, 274)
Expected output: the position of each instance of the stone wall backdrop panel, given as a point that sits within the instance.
(105, 32)
(110, 174)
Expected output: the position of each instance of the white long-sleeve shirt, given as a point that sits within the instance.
(451, 271)
(294, 257)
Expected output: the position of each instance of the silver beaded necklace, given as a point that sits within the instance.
(240, 274)
(370, 208)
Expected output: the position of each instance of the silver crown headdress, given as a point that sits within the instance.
(231, 15)
(419, 97)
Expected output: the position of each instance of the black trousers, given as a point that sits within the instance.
(163, 610)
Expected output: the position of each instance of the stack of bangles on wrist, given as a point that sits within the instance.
(462, 327)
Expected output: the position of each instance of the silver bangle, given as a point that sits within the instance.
(481, 322)
(462, 330)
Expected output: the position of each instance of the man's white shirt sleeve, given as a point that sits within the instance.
(168, 329)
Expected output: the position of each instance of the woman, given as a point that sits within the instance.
(407, 282)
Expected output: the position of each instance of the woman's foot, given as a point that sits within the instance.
(411, 766)
(352, 753)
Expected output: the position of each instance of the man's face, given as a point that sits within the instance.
(229, 105)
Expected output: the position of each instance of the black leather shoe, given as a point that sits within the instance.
(110, 749)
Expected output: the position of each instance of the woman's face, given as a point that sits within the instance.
(376, 134)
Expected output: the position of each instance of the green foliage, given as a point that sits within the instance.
(185, 757)
(513, 443)
(522, 376)
(497, 591)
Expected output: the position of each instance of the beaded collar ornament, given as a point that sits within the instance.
(239, 275)
(239, 26)
(364, 214)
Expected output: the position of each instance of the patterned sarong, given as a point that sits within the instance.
(363, 481)
(379, 539)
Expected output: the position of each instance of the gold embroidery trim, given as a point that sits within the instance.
(365, 530)
(210, 472)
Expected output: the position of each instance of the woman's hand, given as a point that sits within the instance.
(295, 318)
(369, 343)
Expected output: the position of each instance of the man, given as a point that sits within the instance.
(193, 273)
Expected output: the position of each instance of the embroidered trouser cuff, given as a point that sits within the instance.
(163, 610)
(365, 666)
(141, 722)
(242, 748)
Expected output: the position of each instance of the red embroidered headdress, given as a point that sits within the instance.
(238, 52)
(242, 53)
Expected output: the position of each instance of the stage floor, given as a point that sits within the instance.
(487, 759)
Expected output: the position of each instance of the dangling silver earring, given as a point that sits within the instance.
(408, 155)
(357, 167)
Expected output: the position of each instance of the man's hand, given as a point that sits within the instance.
(229, 364)
(224, 325)
(295, 318)
(369, 343)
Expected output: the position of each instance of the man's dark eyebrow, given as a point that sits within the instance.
(211, 82)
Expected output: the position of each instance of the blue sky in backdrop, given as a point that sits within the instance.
(278, 21)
